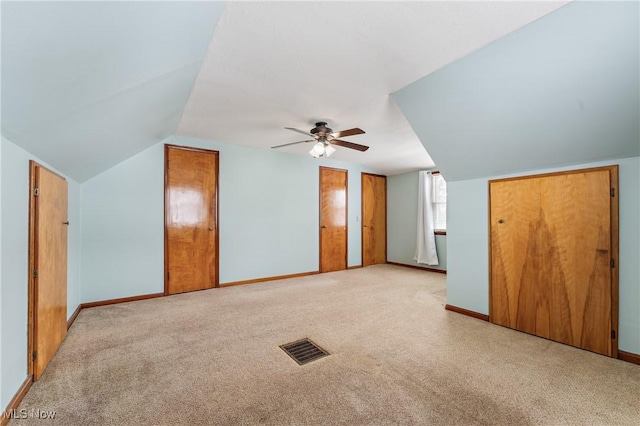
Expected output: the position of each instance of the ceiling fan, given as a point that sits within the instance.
(325, 138)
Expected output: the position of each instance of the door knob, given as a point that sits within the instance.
(364, 226)
(210, 229)
(323, 226)
(500, 220)
(65, 223)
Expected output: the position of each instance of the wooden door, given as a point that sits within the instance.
(374, 219)
(333, 219)
(554, 240)
(48, 261)
(191, 219)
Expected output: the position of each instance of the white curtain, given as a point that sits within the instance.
(426, 242)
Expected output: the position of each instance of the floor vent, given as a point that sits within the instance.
(304, 351)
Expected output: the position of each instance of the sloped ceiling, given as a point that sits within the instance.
(88, 84)
(289, 64)
(563, 90)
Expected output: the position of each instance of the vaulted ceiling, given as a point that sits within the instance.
(562, 91)
(86, 85)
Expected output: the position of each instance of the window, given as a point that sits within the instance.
(439, 202)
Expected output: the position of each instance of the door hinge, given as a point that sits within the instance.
(35, 273)
(36, 191)
(613, 334)
(613, 192)
(34, 355)
(612, 263)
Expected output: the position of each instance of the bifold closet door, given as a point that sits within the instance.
(554, 243)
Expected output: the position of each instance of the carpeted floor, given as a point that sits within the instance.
(397, 357)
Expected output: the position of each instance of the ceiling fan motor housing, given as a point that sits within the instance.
(321, 130)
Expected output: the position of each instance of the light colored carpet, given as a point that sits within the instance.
(397, 357)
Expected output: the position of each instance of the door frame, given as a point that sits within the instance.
(32, 333)
(346, 216)
(615, 238)
(386, 236)
(167, 147)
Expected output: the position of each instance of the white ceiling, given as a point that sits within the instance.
(277, 64)
(88, 84)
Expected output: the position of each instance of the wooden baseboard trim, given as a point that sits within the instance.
(354, 267)
(74, 316)
(260, 280)
(440, 271)
(629, 357)
(16, 400)
(467, 312)
(121, 300)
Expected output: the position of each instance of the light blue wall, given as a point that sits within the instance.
(402, 221)
(2, 401)
(15, 257)
(268, 218)
(74, 254)
(122, 229)
(468, 242)
(560, 91)
(467, 238)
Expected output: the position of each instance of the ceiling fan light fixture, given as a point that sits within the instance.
(325, 138)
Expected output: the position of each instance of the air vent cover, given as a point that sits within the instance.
(304, 351)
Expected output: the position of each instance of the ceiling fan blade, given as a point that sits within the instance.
(298, 130)
(292, 143)
(349, 132)
(351, 145)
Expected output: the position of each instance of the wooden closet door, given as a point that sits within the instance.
(49, 256)
(333, 219)
(374, 219)
(553, 241)
(191, 219)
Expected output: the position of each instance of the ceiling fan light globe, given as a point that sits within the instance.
(318, 148)
(314, 154)
(328, 150)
